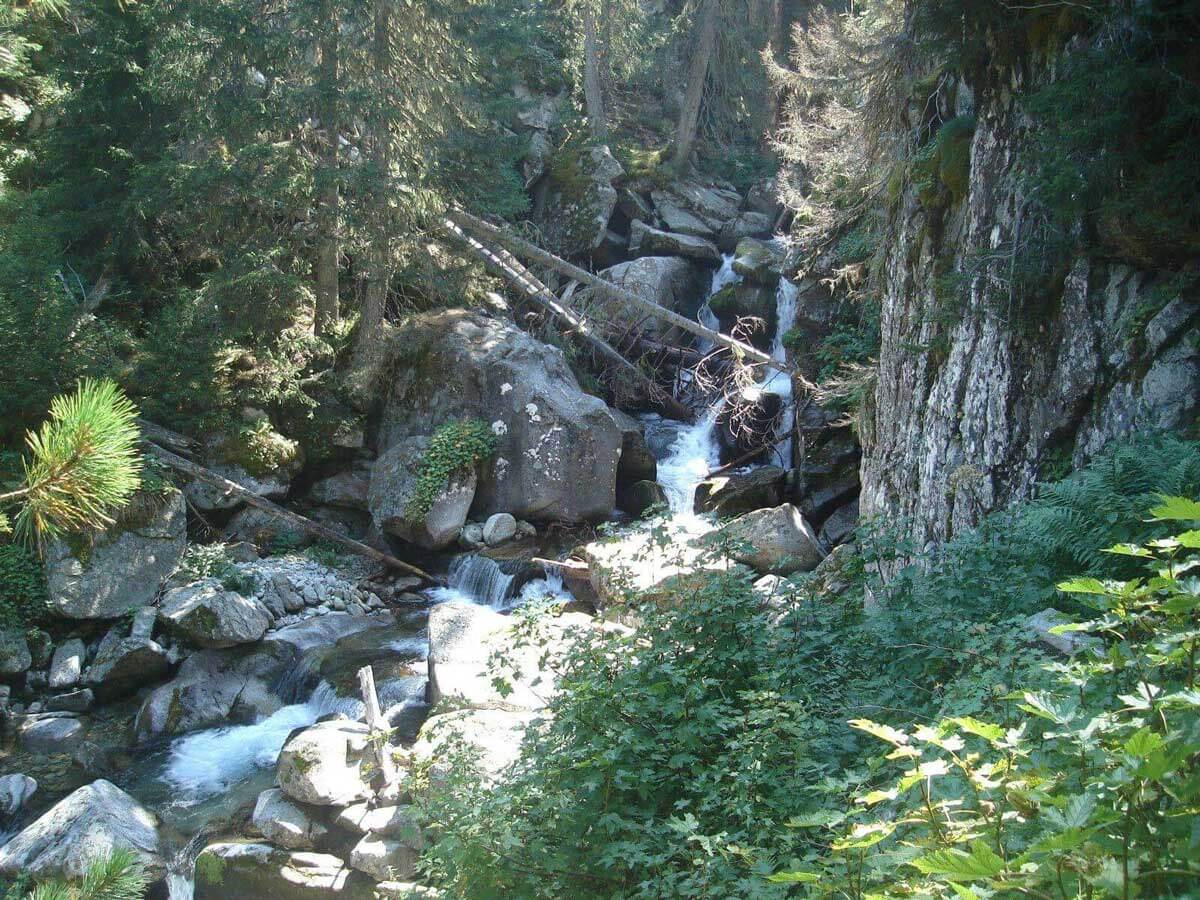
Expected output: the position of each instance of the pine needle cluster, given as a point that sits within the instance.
(82, 464)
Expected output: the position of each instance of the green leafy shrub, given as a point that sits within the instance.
(712, 748)
(202, 561)
(1087, 788)
(942, 168)
(455, 446)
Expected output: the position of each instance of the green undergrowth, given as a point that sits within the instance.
(729, 747)
(23, 598)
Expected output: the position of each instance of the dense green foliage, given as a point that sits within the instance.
(455, 446)
(1088, 787)
(23, 599)
(709, 750)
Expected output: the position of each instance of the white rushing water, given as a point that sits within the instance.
(696, 451)
(206, 763)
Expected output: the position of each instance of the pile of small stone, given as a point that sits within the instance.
(294, 588)
(498, 529)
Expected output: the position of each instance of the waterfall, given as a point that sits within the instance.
(722, 278)
(780, 383)
(476, 579)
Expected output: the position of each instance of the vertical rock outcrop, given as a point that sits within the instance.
(982, 390)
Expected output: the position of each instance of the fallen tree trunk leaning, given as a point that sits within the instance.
(482, 229)
(525, 281)
(316, 528)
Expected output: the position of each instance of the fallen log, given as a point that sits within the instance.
(324, 532)
(511, 269)
(482, 229)
(570, 568)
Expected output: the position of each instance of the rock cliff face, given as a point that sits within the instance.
(979, 395)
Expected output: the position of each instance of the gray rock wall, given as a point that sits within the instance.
(978, 396)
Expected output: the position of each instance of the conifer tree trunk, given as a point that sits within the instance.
(379, 257)
(689, 116)
(593, 80)
(328, 244)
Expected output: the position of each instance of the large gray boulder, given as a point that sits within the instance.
(748, 224)
(682, 203)
(463, 638)
(385, 859)
(393, 489)
(123, 566)
(582, 197)
(286, 823)
(50, 733)
(645, 240)
(15, 658)
(741, 492)
(246, 870)
(207, 615)
(327, 764)
(348, 490)
(66, 666)
(759, 261)
(90, 823)
(556, 446)
(214, 687)
(123, 666)
(674, 283)
(773, 541)
(15, 791)
(259, 459)
(490, 737)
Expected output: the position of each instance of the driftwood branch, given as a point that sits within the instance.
(377, 725)
(187, 467)
(481, 230)
(508, 267)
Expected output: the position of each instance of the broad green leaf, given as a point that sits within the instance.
(985, 730)
(883, 732)
(981, 863)
(867, 835)
(1176, 509)
(1143, 743)
(1130, 550)
(793, 877)
(964, 892)
(1083, 586)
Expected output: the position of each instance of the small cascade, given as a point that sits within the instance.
(722, 278)
(694, 454)
(477, 579)
(206, 763)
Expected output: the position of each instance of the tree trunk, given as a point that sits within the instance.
(593, 82)
(328, 245)
(379, 255)
(689, 116)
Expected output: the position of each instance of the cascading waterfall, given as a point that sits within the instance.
(780, 383)
(206, 763)
(695, 451)
(476, 579)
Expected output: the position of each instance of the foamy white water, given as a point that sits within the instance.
(206, 763)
